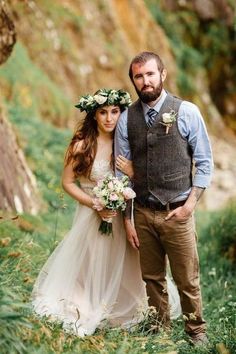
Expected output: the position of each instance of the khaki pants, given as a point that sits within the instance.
(177, 240)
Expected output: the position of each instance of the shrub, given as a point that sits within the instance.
(222, 231)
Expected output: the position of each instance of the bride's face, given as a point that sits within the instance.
(107, 117)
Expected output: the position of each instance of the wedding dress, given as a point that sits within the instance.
(90, 279)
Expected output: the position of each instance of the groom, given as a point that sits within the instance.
(163, 136)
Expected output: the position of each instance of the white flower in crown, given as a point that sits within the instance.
(123, 100)
(100, 99)
(114, 95)
(126, 99)
(90, 99)
(168, 119)
(82, 100)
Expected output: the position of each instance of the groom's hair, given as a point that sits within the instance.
(142, 58)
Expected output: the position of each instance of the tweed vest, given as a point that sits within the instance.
(162, 162)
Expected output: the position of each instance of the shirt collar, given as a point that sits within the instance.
(157, 106)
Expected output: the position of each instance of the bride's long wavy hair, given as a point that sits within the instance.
(82, 161)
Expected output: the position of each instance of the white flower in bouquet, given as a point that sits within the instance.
(129, 193)
(114, 197)
(110, 185)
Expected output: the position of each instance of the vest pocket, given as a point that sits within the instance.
(173, 176)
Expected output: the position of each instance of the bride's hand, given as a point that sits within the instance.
(125, 166)
(106, 214)
(131, 233)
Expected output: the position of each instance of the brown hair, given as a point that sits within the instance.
(87, 131)
(83, 160)
(142, 58)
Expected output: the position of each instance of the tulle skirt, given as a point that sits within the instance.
(91, 280)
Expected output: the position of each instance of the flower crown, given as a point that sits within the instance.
(104, 97)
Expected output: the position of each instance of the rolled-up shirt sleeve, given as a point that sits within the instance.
(121, 142)
(192, 127)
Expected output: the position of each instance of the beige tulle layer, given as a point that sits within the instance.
(90, 277)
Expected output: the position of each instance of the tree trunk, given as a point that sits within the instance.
(7, 33)
(18, 190)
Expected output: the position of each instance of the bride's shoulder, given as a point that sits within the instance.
(72, 152)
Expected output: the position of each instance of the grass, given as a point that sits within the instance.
(25, 245)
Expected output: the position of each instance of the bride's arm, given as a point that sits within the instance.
(125, 166)
(70, 187)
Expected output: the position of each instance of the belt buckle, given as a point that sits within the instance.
(168, 207)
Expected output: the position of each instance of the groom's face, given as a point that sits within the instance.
(148, 80)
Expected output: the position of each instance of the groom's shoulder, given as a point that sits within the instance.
(189, 108)
(134, 105)
(124, 115)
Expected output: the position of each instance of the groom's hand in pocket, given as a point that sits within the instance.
(131, 233)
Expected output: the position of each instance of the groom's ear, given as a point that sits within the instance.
(163, 74)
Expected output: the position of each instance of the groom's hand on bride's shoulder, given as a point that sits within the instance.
(131, 233)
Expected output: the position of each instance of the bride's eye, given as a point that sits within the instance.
(115, 111)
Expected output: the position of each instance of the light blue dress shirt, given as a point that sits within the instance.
(191, 126)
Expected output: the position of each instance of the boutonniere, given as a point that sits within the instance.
(168, 119)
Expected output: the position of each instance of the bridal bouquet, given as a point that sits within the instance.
(111, 193)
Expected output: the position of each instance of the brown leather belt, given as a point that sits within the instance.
(156, 205)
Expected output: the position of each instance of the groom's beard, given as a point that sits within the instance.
(147, 97)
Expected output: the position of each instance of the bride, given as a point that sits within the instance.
(91, 280)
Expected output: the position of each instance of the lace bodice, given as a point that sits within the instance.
(99, 170)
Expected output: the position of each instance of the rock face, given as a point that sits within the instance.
(7, 34)
(206, 9)
(17, 183)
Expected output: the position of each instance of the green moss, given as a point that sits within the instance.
(56, 12)
(198, 44)
(180, 30)
(32, 90)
